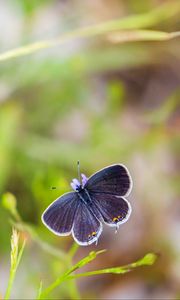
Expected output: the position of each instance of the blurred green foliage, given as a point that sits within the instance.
(16, 254)
(100, 102)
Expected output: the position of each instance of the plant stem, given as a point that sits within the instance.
(15, 260)
(10, 283)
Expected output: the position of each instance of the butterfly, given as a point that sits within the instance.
(96, 200)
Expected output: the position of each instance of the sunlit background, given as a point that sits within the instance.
(101, 101)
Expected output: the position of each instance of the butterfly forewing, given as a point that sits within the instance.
(113, 209)
(59, 216)
(114, 180)
(86, 228)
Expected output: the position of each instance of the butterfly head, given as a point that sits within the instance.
(76, 185)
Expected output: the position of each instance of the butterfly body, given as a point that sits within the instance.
(99, 199)
(84, 196)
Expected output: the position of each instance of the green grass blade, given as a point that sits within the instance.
(35, 237)
(73, 291)
(145, 20)
(73, 250)
(148, 260)
(9, 202)
(92, 255)
(141, 35)
(16, 255)
(20, 253)
(39, 291)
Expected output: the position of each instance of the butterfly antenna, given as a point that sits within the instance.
(78, 166)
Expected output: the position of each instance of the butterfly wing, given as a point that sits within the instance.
(59, 216)
(86, 227)
(114, 210)
(107, 189)
(114, 180)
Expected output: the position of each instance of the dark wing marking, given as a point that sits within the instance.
(59, 216)
(86, 228)
(113, 180)
(114, 210)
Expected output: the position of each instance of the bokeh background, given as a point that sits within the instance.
(101, 102)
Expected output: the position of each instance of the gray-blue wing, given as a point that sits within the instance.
(114, 210)
(114, 180)
(59, 216)
(86, 227)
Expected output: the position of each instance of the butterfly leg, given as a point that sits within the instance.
(96, 242)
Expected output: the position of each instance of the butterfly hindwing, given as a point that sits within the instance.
(86, 228)
(59, 216)
(114, 209)
(114, 180)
